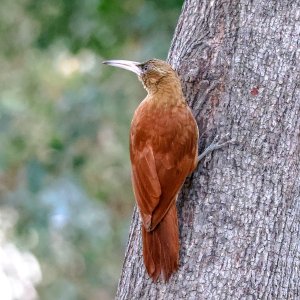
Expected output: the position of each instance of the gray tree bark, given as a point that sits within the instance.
(239, 213)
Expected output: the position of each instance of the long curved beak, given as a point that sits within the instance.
(129, 65)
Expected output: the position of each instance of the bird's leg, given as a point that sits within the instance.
(213, 146)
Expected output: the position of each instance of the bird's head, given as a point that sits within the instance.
(152, 73)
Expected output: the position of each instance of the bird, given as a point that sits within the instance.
(163, 152)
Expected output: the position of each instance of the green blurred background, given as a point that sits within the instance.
(65, 190)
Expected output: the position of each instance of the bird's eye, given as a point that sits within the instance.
(145, 68)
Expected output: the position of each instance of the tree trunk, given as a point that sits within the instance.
(239, 213)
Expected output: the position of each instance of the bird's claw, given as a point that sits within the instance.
(216, 145)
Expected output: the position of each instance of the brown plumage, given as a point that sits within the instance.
(163, 152)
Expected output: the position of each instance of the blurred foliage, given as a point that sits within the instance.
(105, 26)
(64, 122)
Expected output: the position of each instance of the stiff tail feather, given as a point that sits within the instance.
(161, 247)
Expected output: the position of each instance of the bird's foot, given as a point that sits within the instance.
(215, 145)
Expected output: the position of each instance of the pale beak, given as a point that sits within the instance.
(129, 65)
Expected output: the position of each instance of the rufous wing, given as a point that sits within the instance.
(146, 184)
(158, 173)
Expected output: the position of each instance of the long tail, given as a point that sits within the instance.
(161, 247)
